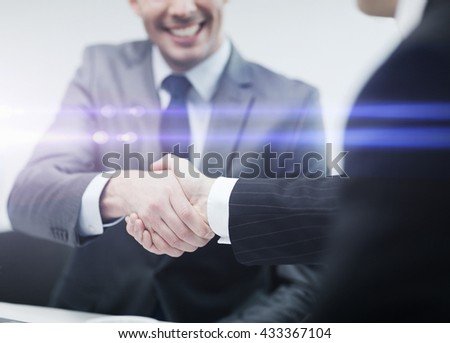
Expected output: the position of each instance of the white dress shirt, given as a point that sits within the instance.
(408, 15)
(204, 79)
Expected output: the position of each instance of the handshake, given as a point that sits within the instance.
(165, 209)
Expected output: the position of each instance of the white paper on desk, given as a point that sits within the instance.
(122, 319)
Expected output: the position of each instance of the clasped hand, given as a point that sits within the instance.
(175, 221)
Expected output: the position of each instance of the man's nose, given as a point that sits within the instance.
(182, 8)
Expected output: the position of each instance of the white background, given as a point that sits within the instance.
(327, 43)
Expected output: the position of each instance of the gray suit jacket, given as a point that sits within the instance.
(113, 94)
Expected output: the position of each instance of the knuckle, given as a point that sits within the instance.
(185, 234)
(203, 231)
(185, 213)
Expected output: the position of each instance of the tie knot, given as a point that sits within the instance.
(177, 86)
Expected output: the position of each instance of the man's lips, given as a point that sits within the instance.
(187, 31)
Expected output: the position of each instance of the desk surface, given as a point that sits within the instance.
(37, 314)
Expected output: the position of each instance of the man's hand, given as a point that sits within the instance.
(195, 185)
(172, 224)
(149, 239)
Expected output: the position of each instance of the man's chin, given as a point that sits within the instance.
(185, 60)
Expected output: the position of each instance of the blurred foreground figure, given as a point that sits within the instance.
(392, 263)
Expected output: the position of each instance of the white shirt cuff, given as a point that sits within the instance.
(218, 207)
(90, 219)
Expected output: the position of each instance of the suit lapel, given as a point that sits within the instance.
(231, 107)
(138, 77)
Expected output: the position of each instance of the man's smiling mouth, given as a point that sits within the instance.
(187, 31)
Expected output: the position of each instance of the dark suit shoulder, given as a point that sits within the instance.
(435, 25)
(418, 70)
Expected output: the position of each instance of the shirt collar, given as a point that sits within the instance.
(409, 14)
(203, 77)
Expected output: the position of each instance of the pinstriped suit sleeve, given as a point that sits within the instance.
(282, 221)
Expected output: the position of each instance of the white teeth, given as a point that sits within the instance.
(186, 31)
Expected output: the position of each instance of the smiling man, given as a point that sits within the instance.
(184, 40)
(186, 85)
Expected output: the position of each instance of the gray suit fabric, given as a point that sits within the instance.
(113, 97)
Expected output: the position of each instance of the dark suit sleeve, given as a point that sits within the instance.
(282, 221)
(46, 198)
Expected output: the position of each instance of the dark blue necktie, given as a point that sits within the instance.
(175, 130)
